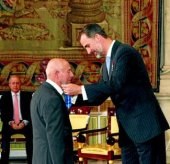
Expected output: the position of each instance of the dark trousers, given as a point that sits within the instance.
(5, 145)
(150, 152)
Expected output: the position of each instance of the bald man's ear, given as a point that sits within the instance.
(56, 73)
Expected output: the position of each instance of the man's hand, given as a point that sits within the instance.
(21, 125)
(17, 126)
(71, 89)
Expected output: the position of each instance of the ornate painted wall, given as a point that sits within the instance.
(141, 22)
(33, 30)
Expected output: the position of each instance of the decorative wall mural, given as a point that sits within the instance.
(141, 31)
(25, 32)
(34, 30)
(32, 74)
(31, 69)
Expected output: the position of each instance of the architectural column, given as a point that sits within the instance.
(165, 74)
(164, 93)
(83, 12)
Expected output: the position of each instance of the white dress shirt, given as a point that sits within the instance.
(60, 91)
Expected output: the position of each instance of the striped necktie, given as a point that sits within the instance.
(67, 99)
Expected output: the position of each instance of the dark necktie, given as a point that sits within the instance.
(67, 99)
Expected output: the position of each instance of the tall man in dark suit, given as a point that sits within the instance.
(52, 132)
(10, 125)
(141, 122)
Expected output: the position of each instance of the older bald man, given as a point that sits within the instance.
(52, 133)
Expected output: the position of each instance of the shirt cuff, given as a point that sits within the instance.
(73, 99)
(25, 122)
(84, 94)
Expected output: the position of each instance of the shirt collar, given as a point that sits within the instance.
(110, 49)
(13, 93)
(57, 87)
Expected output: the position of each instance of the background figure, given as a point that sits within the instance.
(52, 132)
(141, 122)
(10, 125)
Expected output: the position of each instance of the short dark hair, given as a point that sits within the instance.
(92, 29)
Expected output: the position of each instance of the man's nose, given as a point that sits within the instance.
(88, 51)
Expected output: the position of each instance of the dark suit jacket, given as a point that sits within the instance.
(128, 85)
(6, 107)
(52, 133)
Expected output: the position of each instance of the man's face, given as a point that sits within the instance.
(92, 45)
(65, 75)
(15, 84)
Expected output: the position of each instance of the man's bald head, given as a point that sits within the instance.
(59, 71)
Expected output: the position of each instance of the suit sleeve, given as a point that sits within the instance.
(96, 93)
(6, 108)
